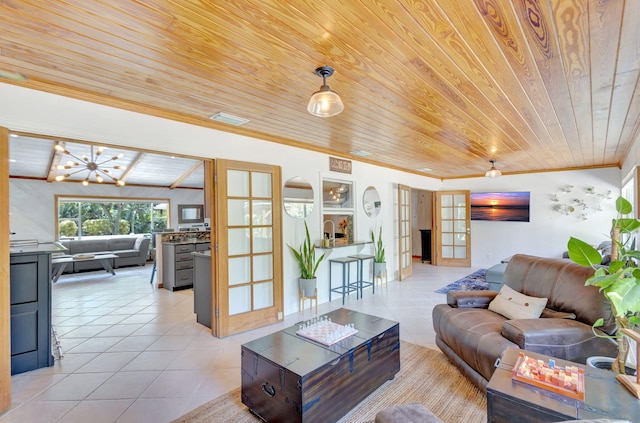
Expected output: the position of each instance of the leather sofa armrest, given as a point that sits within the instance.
(470, 299)
(548, 331)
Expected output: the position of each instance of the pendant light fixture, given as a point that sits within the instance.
(493, 172)
(325, 102)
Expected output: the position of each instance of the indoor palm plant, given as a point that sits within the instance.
(379, 261)
(306, 257)
(619, 281)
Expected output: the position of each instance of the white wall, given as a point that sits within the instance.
(546, 235)
(36, 112)
(548, 231)
(29, 222)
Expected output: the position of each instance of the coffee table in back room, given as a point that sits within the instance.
(288, 378)
(60, 263)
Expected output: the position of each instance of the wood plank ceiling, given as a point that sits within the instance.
(439, 85)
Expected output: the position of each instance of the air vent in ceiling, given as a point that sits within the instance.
(229, 119)
(360, 153)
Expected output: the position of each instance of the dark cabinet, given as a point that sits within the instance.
(425, 237)
(177, 264)
(30, 293)
(202, 299)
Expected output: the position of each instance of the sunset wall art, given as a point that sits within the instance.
(500, 206)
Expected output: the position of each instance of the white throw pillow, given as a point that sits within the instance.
(514, 305)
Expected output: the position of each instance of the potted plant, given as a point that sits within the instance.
(306, 257)
(619, 281)
(379, 262)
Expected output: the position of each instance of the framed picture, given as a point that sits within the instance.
(500, 206)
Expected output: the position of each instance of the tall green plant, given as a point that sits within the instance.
(619, 282)
(378, 247)
(306, 257)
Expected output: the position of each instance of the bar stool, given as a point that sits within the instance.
(361, 282)
(347, 286)
(153, 271)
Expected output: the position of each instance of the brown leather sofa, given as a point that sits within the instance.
(473, 337)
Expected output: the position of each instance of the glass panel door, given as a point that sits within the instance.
(404, 231)
(250, 269)
(453, 228)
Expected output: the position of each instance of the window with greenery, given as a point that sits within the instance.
(95, 217)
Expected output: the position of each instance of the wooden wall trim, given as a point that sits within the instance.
(5, 323)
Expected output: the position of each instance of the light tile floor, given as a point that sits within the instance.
(134, 353)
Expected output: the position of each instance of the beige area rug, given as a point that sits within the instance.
(425, 376)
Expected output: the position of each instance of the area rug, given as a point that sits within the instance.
(472, 282)
(425, 376)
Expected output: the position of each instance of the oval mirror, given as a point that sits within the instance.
(371, 202)
(298, 197)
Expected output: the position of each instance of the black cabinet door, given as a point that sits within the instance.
(30, 293)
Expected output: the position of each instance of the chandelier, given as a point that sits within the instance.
(92, 165)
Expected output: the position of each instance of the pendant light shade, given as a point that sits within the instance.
(325, 102)
(493, 172)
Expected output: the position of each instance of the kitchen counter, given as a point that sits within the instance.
(187, 241)
(37, 248)
(341, 245)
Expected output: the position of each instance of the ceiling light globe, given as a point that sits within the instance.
(493, 173)
(325, 103)
(85, 182)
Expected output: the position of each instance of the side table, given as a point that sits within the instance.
(509, 400)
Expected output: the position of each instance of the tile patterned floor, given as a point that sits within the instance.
(133, 353)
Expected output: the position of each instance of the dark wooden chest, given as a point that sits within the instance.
(286, 378)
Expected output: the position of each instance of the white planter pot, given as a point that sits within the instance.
(307, 287)
(379, 269)
(599, 362)
(605, 363)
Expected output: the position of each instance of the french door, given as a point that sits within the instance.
(452, 228)
(404, 232)
(5, 325)
(249, 227)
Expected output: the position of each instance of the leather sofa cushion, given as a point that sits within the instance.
(122, 243)
(562, 338)
(127, 253)
(562, 282)
(474, 334)
(96, 246)
(547, 313)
